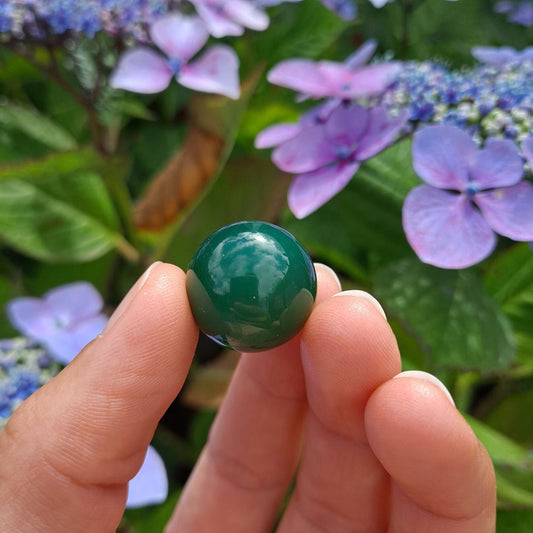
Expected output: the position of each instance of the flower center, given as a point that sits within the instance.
(175, 64)
(343, 153)
(472, 188)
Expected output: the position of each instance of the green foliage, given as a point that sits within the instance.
(58, 209)
(513, 465)
(455, 320)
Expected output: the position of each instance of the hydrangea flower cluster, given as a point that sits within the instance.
(517, 12)
(327, 145)
(487, 101)
(21, 18)
(24, 368)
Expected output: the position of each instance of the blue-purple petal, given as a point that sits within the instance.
(141, 70)
(245, 13)
(276, 134)
(65, 344)
(444, 229)
(509, 210)
(179, 36)
(372, 80)
(308, 151)
(215, 71)
(346, 125)
(498, 164)
(362, 55)
(73, 302)
(442, 156)
(492, 55)
(302, 75)
(310, 191)
(217, 21)
(150, 485)
(382, 130)
(31, 317)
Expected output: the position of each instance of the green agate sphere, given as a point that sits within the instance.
(251, 286)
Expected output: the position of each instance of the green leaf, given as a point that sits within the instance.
(305, 30)
(509, 278)
(58, 209)
(150, 519)
(514, 521)
(455, 320)
(37, 126)
(513, 465)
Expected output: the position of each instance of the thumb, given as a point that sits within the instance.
(69, 451)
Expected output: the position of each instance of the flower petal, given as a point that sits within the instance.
(301, 75)
(381, 131)
(247, 14)
(310, 191)
(346, 125)
(527, 150)
(179, 36)
(215, 71)
(65, 344)
(31, 316)
(372, 80)
(73, 302)
(498, 165)
(444, 229)
(309, 150)
(277, 134)
(492, 55)
(362, 55)
(509, 210)
(441, 156)
(141, 70)
(150, 485)
(337, 79)
(218, 23)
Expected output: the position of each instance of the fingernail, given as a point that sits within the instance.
(119, 311)
(365, 296)
(419, 374)
(330, 272)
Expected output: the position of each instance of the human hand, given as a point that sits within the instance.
(374, 453)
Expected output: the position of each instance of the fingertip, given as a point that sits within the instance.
(328, 283)
(348, 350)
(428, 448)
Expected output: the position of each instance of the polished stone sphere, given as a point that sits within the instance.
(251, 286)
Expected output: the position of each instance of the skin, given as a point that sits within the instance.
(375, 453)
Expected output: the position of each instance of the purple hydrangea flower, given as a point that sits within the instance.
(64, 320)
(150, 485)
(278, 133)
(498, 56)
(143, 70)
(230, 17)
(330, 79)
(326, 156)
(471, 194)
